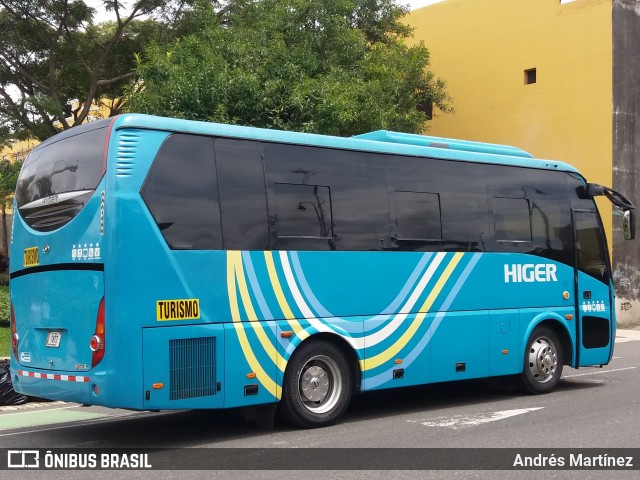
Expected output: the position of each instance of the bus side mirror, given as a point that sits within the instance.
(629, 224)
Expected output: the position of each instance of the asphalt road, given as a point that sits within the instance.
(592, 408)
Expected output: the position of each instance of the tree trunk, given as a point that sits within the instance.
(5, 236)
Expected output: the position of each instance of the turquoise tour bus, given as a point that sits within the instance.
(159, 263)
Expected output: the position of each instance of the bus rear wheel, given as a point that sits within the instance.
(317, 385)
(543, 361)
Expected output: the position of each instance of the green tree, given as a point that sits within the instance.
(338, 67)
(51, 52)
(8, 179)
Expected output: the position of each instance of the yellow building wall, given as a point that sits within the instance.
(17, 150)
(482, 48)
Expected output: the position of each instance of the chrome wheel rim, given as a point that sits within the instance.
(320, 384)
(543, 360)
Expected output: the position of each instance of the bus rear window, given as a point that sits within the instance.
(58, 178)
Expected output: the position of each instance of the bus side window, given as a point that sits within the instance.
(592, 256)
(302, 211)
(325, 199)
(416, 216)
(182, 194)
(531, 212)
(243, 200)
(439, 205)
(512, 217)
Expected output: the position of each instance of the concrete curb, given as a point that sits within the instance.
(627, 335)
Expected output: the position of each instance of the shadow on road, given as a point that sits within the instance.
(170, 429)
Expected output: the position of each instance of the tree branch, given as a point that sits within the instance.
(104, 83)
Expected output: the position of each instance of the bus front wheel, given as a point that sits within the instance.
(317, 385)
(543, 360)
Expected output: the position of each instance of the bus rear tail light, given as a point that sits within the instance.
(96, 343)
(14, 333)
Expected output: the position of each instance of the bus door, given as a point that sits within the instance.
(594, 329)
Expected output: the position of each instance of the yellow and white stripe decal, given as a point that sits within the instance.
(389, 353)
(302, 305)
(272, 387)
(236, 259)
(282, 301)
(393, 325)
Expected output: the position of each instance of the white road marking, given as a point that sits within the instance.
(464, 421)
(601, 371)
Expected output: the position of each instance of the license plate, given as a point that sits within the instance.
(31, 257)
(53, 339)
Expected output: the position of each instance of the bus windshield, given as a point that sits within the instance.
(57, 178)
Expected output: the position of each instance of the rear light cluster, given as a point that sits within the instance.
(96, 343)
(14, 334)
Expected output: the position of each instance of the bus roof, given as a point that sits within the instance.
(441, 142)
(381, 141)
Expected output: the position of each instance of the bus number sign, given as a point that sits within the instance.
(31, 257)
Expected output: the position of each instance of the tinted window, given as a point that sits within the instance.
(58, 169)
(577, 192)
(243, 200)
(592, 256)
(461, 201)
(512, 219)
(543, 226)
(416, 216)
(182, 194)
(355, 184)
(302, 210)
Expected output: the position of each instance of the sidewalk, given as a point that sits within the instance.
(627, 335)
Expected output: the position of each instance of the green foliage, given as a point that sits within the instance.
(5, 335)
(8, 178)
(337, 67)
(5, 309)
(51, 52)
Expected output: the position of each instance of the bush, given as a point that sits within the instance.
(5, 309)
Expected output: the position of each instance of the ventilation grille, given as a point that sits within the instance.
(193, 367)
(127, 147)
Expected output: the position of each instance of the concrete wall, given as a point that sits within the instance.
(626, 149)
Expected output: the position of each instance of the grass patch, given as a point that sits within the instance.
(5, 309)
(4, 341)
(5, 333)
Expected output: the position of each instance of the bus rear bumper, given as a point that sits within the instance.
(52, 385)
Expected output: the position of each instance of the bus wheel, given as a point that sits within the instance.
(317, 385)
(543, 360)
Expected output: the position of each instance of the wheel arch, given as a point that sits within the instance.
(560, 327)
(345, 347)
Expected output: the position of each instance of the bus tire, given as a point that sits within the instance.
(543, 361)
(317, 385)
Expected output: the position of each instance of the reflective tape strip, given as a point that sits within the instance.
(52, 376)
